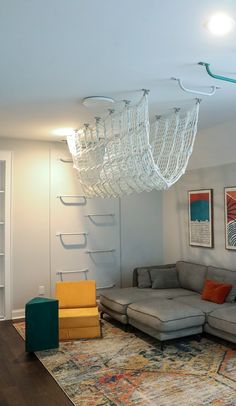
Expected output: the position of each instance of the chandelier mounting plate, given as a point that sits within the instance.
(98, 102)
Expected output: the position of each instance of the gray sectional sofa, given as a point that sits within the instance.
(165, 302)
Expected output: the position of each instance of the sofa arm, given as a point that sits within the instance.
(135, 271)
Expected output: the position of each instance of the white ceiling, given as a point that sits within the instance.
(56, 52)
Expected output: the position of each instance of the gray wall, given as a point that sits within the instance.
(214, 146)
(141, 232)
(175, 217)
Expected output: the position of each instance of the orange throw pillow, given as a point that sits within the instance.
(215, 291)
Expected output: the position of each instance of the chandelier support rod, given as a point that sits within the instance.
(186, 89)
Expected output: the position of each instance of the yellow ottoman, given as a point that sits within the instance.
(78, 311)
(82, 323)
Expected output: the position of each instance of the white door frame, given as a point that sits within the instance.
(6, 156)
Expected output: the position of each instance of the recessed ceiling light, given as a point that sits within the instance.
(62, 132)
(220, 24)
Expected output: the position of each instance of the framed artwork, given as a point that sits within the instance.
(200, 209)
(230, 218)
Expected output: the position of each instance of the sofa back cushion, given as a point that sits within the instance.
(224, 276)
(164, 278)
(144, 280)
(191, 276)
(148, 269)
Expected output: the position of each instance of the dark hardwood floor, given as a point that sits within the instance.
(23, 379)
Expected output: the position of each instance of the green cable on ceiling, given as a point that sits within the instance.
(219, 77)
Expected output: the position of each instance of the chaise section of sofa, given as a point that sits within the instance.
(115, 302)
(164, 320)
(165, 301)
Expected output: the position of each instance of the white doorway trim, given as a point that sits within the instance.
(6, 156)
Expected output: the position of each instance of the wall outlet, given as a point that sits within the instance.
(41, 290)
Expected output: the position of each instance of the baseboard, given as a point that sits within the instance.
(18, 314)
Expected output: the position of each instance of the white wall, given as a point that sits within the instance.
(30, 219)
(175, 214)
(37, 215)
(149, 232)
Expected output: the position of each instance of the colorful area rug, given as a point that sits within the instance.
(125, 369)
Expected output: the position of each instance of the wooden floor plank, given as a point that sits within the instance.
(23, 379)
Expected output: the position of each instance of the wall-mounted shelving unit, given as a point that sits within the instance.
(5, 212)
(84, 230)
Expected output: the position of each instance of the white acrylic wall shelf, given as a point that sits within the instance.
(99, 251)
(61, 273)
(72, 199)
(71, 196)
(80, 233)
(99, 215)
(2, 286)
(66, 160)
(2, 253)
(106, 287)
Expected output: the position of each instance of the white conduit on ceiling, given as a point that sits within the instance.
(123, 153)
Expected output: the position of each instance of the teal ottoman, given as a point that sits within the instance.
(41, 321)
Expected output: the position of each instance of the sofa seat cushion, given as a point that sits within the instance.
(117, 316)
(165, 315)
(224, 319)
(118, 299)
(203, 305)
(220, 333)
(191, 276)
(78, 317)
(169, 293)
